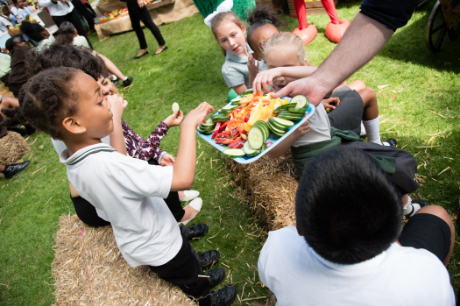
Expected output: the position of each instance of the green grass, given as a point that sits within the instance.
(189, 73)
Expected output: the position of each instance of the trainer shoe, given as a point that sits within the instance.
(190, 195)
(390, 142)
(223, 297)
(414, 210)
(128, 81)
(13, 169)
(216, 276)
(197, 231)
(208, 258)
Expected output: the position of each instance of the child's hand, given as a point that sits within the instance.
(167, 160)
(118, 105)
(253, 66)
(197, 116)
(303, 129)
(175, 119)
(265, 78)
(331, 103)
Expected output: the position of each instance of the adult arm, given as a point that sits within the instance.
(267, 77)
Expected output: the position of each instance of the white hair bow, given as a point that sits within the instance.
(225, 6)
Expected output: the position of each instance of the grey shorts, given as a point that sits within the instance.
(348, 115)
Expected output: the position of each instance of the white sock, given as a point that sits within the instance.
(373, 130)
(363, 130)
(125, 79)
(410, 208)
(114, 77)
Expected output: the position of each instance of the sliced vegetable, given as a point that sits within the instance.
(298, 110)
(282, 123)
(220, 118)
(216, 130)
(301, 101)
(275, 130)
(256, 137)
(233, 153)
(237, 99)
(248, 150)
(175, 107)
(237, 144)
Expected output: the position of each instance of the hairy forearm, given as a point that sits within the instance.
(361, 42)
(185, 164)
(117, 141)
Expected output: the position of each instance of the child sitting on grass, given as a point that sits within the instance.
(348, 248)
(284, 56)
(68, 105)
(229, 32)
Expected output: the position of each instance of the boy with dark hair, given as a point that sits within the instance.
(348, 248)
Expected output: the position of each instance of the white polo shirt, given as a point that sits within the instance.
(320, 128)
(57, 9)
(131, 193)
(297, 275)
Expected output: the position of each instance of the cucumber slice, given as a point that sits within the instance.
(230, 107)
(275, 130)
(264, 126)
(298, 110)
(248, 150)
(256, 138)
(290, 116)
(282, 122)
(247, 92)
(301, 101)
(175, 107)
(233, 153)
(237, 99)
(220, 118)
(203, 131)
(281, 108)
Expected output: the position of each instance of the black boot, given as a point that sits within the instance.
(216, 276)
(13, 169)
(224, 296)
(128, 81)
(207, 259)
(197, 231)
(30, 129)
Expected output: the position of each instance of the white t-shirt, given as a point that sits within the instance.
(320, 128)
(81, 42)
(131, 193)
(399, 276)
(3, 24)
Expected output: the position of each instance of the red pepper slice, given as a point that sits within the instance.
(216, 130)
(222, 126)
(244, 136)
(237, 144)
(246, 118)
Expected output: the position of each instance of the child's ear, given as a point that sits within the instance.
(73, 126)
(243, 28)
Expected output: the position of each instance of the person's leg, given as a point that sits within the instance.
(86, 212)
(184, 270)
(112, 67)
(431, 228)
(147, 20)
(74, 19)
(357, 85)
(371, 115)
(84, 12)
(134, 12)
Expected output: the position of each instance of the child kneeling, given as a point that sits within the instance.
(348, 248)
(67, 104)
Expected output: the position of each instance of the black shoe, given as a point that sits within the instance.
(392, 142)
(20, 129)
(197, 231)
(208, 258)
(30, 129)
(223, 297)
(419, 202)
(216, 276)
(128, 81)
(145, 53)
(13, 169)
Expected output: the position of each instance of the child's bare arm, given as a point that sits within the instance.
(240, 88)
(283, 146)
(184, 166)
(267, 77)
(118, 106)
(253, 68)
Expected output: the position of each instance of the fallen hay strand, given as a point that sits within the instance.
(112, 280)
(12, 148)
(269, 186)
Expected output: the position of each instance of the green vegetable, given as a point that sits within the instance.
(175, 107)
(233, 153)
(298, 110)
(281, 123)
(256, 137)
(301, 101)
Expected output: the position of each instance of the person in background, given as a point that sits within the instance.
(138, 12)
(18, 75)
(5, 68)
(13, 19)
(63, 10)
(69, 35)
(23, 9)
(84, 12)
(5, 23)
(37, 33)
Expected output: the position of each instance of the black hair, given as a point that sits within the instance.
(46, 99)
(66, 33)
(346, 207)
(9, 44)
(33, 30)
(54, 57)
(261, 15)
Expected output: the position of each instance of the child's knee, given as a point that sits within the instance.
(368, 95)
(357, 85)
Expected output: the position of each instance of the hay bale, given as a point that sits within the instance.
(12, 148)
(4, 91)
(111, 279)
(269, 185)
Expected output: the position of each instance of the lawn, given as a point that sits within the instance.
(418, 96)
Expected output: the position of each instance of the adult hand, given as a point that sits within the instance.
(118, 105)
(265, 79)
(175, 119)
(141, 3)
(310, 87)
(167, 160)
(331, 103)
(198, 115)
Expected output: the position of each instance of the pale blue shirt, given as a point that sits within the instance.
(235, 69)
